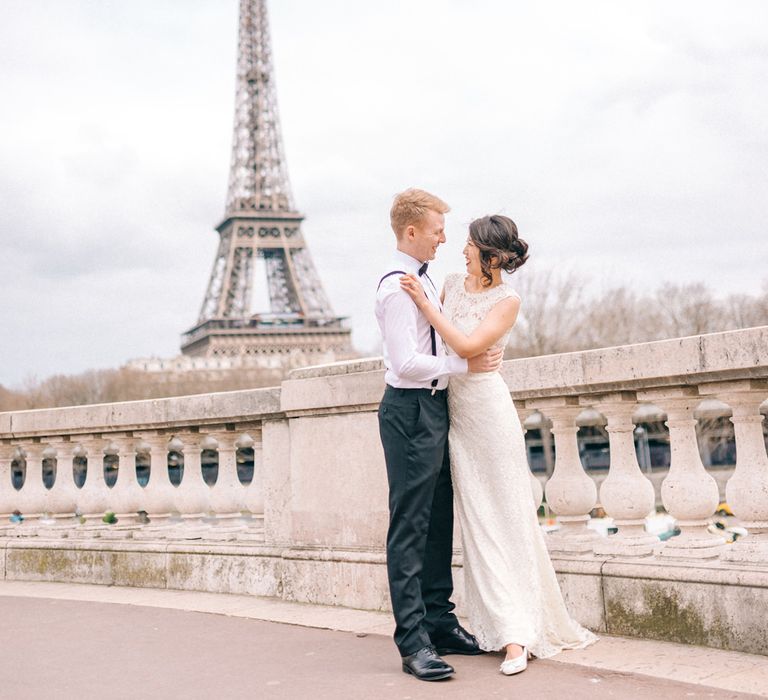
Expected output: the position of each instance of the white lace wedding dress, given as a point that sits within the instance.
(512, 594)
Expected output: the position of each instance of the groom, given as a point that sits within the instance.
(413, 423)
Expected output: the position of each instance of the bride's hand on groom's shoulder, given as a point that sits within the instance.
(412, 285)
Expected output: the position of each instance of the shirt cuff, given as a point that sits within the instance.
(457, 365)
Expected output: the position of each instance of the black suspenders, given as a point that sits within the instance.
(389, 274)
(432, 337)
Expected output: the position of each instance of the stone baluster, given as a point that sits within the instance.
(193, 494)
(159, 493)
(571, 493)
(227, 494)
(9, 496)
(537, 490)
(747, 490)
(254, 492)
(94, 497)
(689, 494)
(127, 496)
(49, 455)
(626, 495)
(33, 492)
(61, 498)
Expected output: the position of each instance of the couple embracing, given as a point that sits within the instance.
(463, 441)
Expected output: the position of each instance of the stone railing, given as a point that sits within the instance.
(311, 524)
(221, 423)
(676, 376)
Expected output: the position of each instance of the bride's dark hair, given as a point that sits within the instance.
(499, 244)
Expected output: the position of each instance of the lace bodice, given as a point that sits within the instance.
(467, 309)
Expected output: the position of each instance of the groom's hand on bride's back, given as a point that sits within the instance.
(488, 361)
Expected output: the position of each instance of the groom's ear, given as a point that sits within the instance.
(410, 231)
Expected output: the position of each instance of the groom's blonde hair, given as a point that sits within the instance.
(411, 206)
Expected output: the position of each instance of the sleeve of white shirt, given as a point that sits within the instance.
(400, 328)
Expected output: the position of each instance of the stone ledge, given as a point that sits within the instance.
(716, 357)
(364, 364)
(741, 354)
(314, 395)
(679, 571)
(178, 411)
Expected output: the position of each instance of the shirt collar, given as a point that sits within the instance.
(408, 263)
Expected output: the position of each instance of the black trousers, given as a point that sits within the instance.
(413, 424)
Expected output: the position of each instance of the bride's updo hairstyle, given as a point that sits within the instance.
(499, 244)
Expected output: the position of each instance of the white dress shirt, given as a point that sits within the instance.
(405, 332)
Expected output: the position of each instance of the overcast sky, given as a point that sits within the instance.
(628, 140)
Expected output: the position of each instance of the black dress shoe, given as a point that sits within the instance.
(426, 665)
(456, 641)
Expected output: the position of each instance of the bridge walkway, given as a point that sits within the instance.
(86, 641)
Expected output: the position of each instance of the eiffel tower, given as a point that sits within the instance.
(262, 227)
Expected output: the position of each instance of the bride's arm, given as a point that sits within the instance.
(498, 321)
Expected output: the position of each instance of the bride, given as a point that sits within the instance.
(513, 600)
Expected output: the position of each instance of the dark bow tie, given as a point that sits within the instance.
(423, 269)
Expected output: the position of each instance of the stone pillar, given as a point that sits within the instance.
(537, 491)
(33, 493)
(227, 494)
(128, 496)
(159, 493)
(689, 494)
(9, 496)
(546, 446)
(571, 494)
(94, 497)
(747, 490)
(193, 494)
(626, 495)
(254, 497)
(61, 498)
(254, 492)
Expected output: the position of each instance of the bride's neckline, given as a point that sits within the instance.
(482, 291)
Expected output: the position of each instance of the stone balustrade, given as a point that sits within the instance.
(228, 510)
(311, 523)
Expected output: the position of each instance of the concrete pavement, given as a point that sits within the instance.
(80, 641)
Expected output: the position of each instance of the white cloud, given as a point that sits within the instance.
(626, 139)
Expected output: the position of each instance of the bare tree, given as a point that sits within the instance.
(616, 317)
(558, 314)
(689, 309)
(746, 311)
(11, 400)
(551, 312)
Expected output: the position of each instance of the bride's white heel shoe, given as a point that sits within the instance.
(509, 667)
